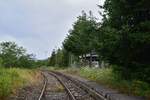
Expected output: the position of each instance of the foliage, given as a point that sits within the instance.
(14, 56)
(1, 61)
(99, 75)
(59, 58)
(62, 58)
(122, 38)
(133, 87)
(12, 79)
(41, 63)
(81, 37)
(130, 50)
(52, 59)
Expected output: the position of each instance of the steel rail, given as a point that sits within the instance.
(67, 89)
(91, 91)
(43, 88)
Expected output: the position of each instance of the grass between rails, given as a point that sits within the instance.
(108, 78)
(13, 79)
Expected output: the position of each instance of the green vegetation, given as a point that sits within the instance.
(12, 55)
(108, 78)
(59, 57)
(82, 38)
(122, 38)
(126, 35)
(12, 79)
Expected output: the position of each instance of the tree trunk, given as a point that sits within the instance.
(90, 63)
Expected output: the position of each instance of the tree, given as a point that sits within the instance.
(1, 61)
(26, 61)
(13, 55)
(41, 63)
(130, 19)
(62, 58)
(52, 59)
(59, 58)
(10, 53)
(81, 38)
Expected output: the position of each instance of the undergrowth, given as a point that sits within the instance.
(14, 78)
(107, 77)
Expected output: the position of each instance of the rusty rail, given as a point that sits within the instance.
(91, 91)
(43, 88)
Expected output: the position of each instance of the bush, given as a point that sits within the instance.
(140, 88)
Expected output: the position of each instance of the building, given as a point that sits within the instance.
(90, 60)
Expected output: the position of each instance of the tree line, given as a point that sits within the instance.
(12, 55)
(59, 58)
(122, 38)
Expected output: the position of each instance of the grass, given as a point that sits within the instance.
(106, 77)
(58, 88)
(13, 79)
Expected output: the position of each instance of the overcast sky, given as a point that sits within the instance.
(41, 25)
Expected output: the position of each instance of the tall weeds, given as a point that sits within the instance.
(107, 77)
(12, 79)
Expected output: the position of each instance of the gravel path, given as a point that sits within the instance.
(54, 90)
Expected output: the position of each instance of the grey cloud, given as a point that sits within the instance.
(41, 25)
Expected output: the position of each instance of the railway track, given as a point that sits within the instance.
(43, 88)
(75, 89)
